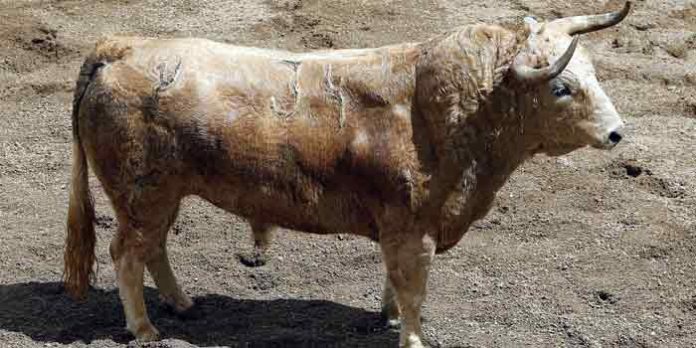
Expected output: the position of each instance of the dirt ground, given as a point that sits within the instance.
(589, 249)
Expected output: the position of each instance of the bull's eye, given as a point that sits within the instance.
(561, 90)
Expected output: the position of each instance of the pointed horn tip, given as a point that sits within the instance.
(619, 16)
(589, 23)
(625, 10)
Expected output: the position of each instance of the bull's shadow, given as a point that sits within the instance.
(45, 313)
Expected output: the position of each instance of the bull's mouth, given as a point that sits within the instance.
(557, 149)
(609, 142)
(604, 146)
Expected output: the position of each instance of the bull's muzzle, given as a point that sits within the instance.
(615, 137)
(612, 139)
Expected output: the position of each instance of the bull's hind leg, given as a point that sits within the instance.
(262, 234)
(170, 291)
(139, 242)
(408, 258)
(161, 272)
(128, 254)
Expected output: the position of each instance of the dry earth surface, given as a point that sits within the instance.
(590, 249)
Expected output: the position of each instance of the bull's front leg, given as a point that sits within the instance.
(407, 257)
(390, 308)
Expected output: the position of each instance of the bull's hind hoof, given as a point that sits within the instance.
(146, 333)
(252, 259)
(392, 324)
(411, 341)
(178, 305)
(191, 313)
(390, 316)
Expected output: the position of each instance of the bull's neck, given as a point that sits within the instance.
(490, 145)
(503, 143)
(476, 134)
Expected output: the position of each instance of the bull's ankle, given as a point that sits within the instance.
(390, 315)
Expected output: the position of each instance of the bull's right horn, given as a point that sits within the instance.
(585, 24)
(530, 75)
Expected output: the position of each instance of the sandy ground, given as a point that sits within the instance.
(590, 249)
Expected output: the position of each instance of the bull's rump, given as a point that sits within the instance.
(306, 144)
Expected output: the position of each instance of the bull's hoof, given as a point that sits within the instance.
(393, 321)
(179, 305)
(145, 333)
(411, 341)
(190, 313)
(390, 322)
(390, 317)
(252, 259)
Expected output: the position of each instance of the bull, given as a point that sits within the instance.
(405, 144)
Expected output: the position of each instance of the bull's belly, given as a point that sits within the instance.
(325, 212)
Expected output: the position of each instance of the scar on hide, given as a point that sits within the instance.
(277, 109)
(295, 66)
(294, 87)
(274, 107)
(167, 75)
(335, 93)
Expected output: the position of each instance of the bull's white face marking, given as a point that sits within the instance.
(575, 110)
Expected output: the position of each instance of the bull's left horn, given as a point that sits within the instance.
(529, 75)
(585, 24)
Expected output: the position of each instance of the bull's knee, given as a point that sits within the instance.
(116, 248)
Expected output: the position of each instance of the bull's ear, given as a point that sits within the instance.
(532, 25)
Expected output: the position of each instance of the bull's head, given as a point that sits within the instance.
(571, 109)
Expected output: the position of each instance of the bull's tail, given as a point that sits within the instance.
(80, 242)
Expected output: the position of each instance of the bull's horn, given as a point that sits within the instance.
(586, 24)
(526, 74)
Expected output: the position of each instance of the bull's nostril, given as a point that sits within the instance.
(615, 137)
